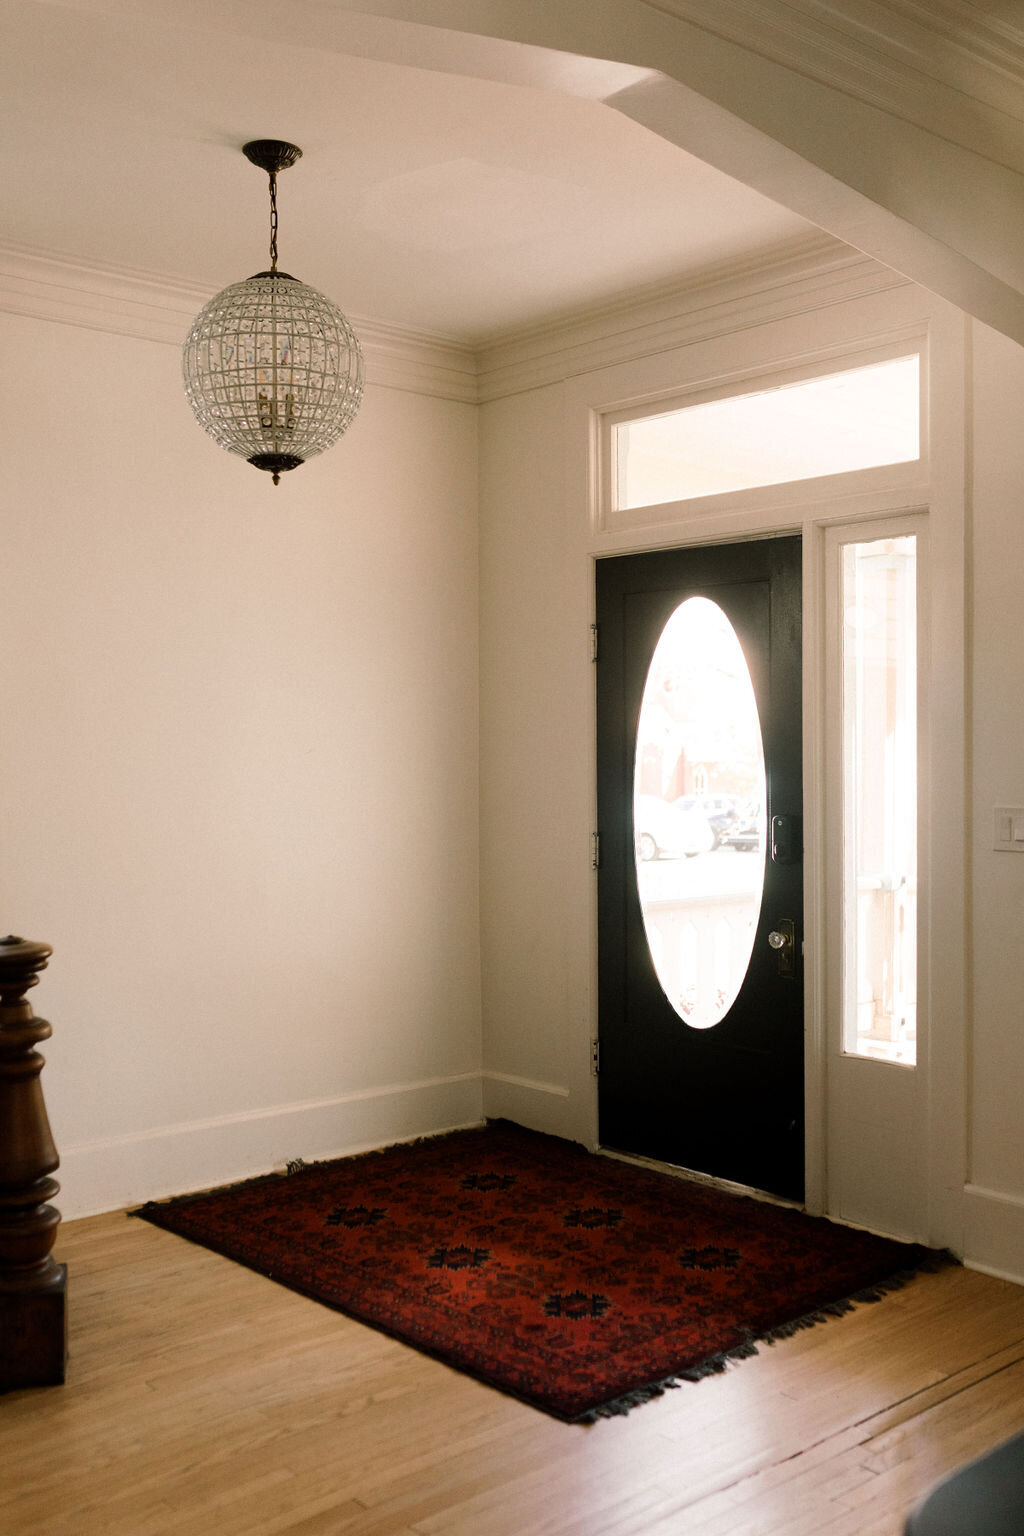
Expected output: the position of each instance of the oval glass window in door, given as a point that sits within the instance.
(699, 812)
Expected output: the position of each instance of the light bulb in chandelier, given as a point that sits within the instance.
(273, 370)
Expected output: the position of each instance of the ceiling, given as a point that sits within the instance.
(426, 198)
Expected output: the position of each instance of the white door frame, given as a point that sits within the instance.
(931, 488)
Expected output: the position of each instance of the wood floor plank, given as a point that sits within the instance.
(204, 1399)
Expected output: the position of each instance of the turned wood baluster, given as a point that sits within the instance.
(33, 1331)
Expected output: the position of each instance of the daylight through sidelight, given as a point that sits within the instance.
(880, 799)
(699, 812)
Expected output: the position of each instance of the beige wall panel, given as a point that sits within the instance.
(238, 768)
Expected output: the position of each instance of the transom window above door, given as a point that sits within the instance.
(833, 423)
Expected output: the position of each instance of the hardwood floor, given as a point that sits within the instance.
(204, 1399)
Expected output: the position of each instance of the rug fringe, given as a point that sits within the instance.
(931, 1261)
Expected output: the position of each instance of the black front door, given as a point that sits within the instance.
(724, 1099)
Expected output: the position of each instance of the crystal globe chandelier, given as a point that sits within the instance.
(272, 368)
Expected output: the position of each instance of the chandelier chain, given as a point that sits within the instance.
(273, 221)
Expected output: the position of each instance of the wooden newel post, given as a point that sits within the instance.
(33, 1329)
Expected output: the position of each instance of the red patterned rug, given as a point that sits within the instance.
(580, 1284)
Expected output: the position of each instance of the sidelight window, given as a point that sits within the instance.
(880, 756)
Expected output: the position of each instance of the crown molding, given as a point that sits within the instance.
(795, 279)
(791, 280)
(48, 286)
(401, 358)
(150, 307)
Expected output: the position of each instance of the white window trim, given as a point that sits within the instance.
(607, 517)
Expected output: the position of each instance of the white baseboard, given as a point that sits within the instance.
(994, 1233)
(175, 1159)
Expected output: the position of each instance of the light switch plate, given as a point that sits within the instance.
(1008, 829)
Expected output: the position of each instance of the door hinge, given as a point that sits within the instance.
(595, 850)
(593, 642)
(595, 1057)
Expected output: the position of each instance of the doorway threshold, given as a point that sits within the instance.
(694, 1177)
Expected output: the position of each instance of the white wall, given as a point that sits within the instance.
(995, 1203)
(536, 720)
(238, 771)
